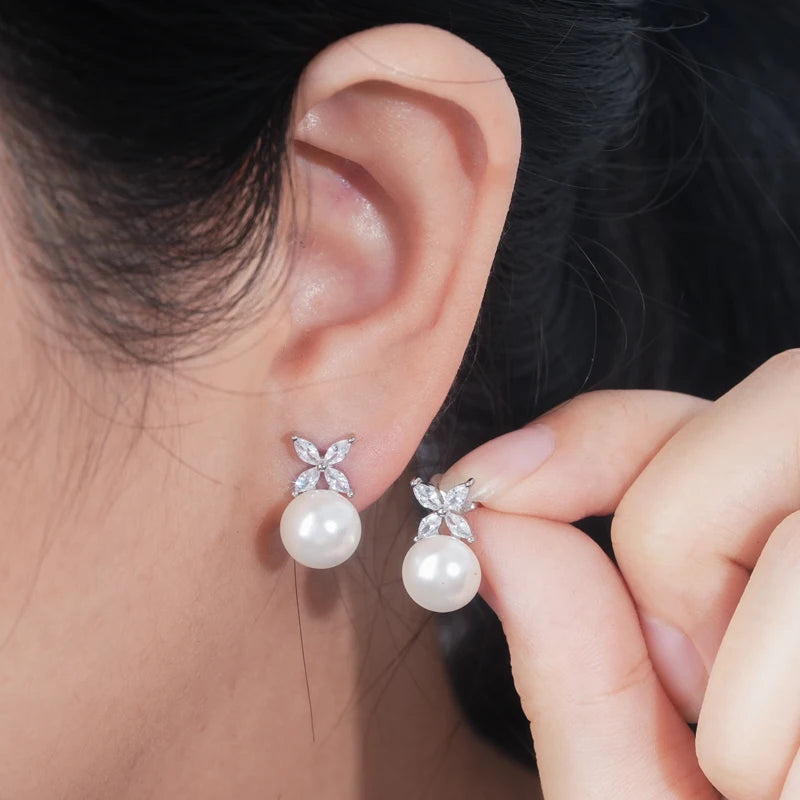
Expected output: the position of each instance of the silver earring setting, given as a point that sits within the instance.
(440, 572)
(321, 528)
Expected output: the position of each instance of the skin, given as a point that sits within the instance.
(149, 634)
(150, 623)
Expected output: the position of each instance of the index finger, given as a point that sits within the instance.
(579, 459)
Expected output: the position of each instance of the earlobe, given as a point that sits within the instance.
(405, 154)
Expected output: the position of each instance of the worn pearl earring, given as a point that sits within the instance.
(441, 573)
(321, 528)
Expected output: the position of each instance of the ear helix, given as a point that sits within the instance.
(321, 528)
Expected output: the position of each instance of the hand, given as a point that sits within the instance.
(703, 494)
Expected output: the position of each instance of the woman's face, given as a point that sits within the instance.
(155, 640)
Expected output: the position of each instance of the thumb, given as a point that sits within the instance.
(602, 725)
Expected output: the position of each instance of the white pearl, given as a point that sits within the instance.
(320, 528)
(441, 573)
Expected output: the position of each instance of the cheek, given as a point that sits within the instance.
(122, 605)
(124, 642)
(28, 410)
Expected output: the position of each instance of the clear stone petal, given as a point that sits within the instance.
(429, 526)
(459, 527)
(337, 480)
(306, 480)
(337, 451)
(428, 496)
(307, 451)
(457, 499)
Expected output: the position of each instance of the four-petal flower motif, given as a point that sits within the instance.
(322, 465)
(447, 506)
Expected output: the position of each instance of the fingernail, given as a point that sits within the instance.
(503, 462)
(678, 665)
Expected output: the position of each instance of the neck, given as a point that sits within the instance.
(185, 660)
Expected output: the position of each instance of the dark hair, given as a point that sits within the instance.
(651, 240)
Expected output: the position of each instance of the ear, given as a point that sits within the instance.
(405, 151)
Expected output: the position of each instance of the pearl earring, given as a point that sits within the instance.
(441, 573)
(321, 528)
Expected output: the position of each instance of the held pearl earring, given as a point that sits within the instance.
(440, 572)
(321, 528)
